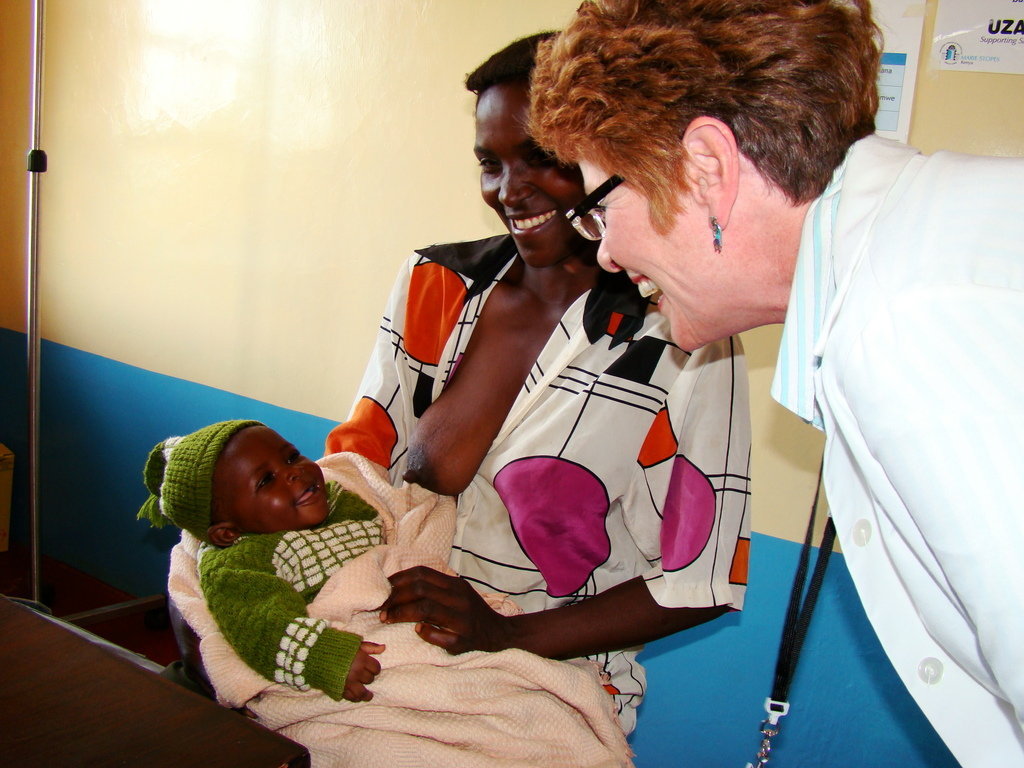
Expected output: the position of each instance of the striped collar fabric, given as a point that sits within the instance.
(484, 261)
(813, 289)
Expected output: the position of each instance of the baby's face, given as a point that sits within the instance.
(263, 484)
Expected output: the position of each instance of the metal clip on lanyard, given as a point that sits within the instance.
(794, 630)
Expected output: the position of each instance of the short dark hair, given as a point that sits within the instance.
(513, 62)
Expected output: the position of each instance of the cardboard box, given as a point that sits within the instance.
(6, 480)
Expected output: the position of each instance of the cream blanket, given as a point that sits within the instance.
(429, 708)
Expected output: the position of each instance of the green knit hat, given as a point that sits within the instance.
(179, 475)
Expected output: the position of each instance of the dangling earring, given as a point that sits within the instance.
(716, 234)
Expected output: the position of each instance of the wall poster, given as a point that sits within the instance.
(901, 22)
(979, 36)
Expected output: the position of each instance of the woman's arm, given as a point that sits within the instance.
(451, 615)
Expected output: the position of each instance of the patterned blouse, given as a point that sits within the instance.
(622, 456)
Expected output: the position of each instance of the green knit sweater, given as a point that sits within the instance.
(258, 590)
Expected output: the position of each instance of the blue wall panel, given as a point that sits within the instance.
(14, 421)
(707, 686)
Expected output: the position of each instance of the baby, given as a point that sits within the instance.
(273, 532)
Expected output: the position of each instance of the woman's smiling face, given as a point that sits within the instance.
(680, 264)
(525, 186)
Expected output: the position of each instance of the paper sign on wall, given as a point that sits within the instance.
(901, 22)
(979, 36)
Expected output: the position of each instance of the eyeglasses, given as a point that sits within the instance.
(588, 217)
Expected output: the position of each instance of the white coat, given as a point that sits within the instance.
(918, 380)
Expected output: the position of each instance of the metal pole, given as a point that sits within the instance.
(36, 166)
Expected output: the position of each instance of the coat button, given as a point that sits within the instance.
(861, 532)
(930, 670)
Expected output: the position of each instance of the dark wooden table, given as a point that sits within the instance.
(65, 701)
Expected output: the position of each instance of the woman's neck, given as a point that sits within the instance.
(557, 285)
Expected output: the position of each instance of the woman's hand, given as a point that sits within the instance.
(448, 611)
(451, 614)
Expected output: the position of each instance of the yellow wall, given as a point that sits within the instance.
(15, 141)
(233, 185)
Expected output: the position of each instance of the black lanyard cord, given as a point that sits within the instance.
(798, 614)
(796, 624)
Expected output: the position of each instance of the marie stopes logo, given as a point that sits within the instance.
(952, 53)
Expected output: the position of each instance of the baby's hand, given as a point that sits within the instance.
(364, 670)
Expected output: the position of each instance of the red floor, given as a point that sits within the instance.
(67, 591)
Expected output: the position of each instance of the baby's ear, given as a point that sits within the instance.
(223, 534)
